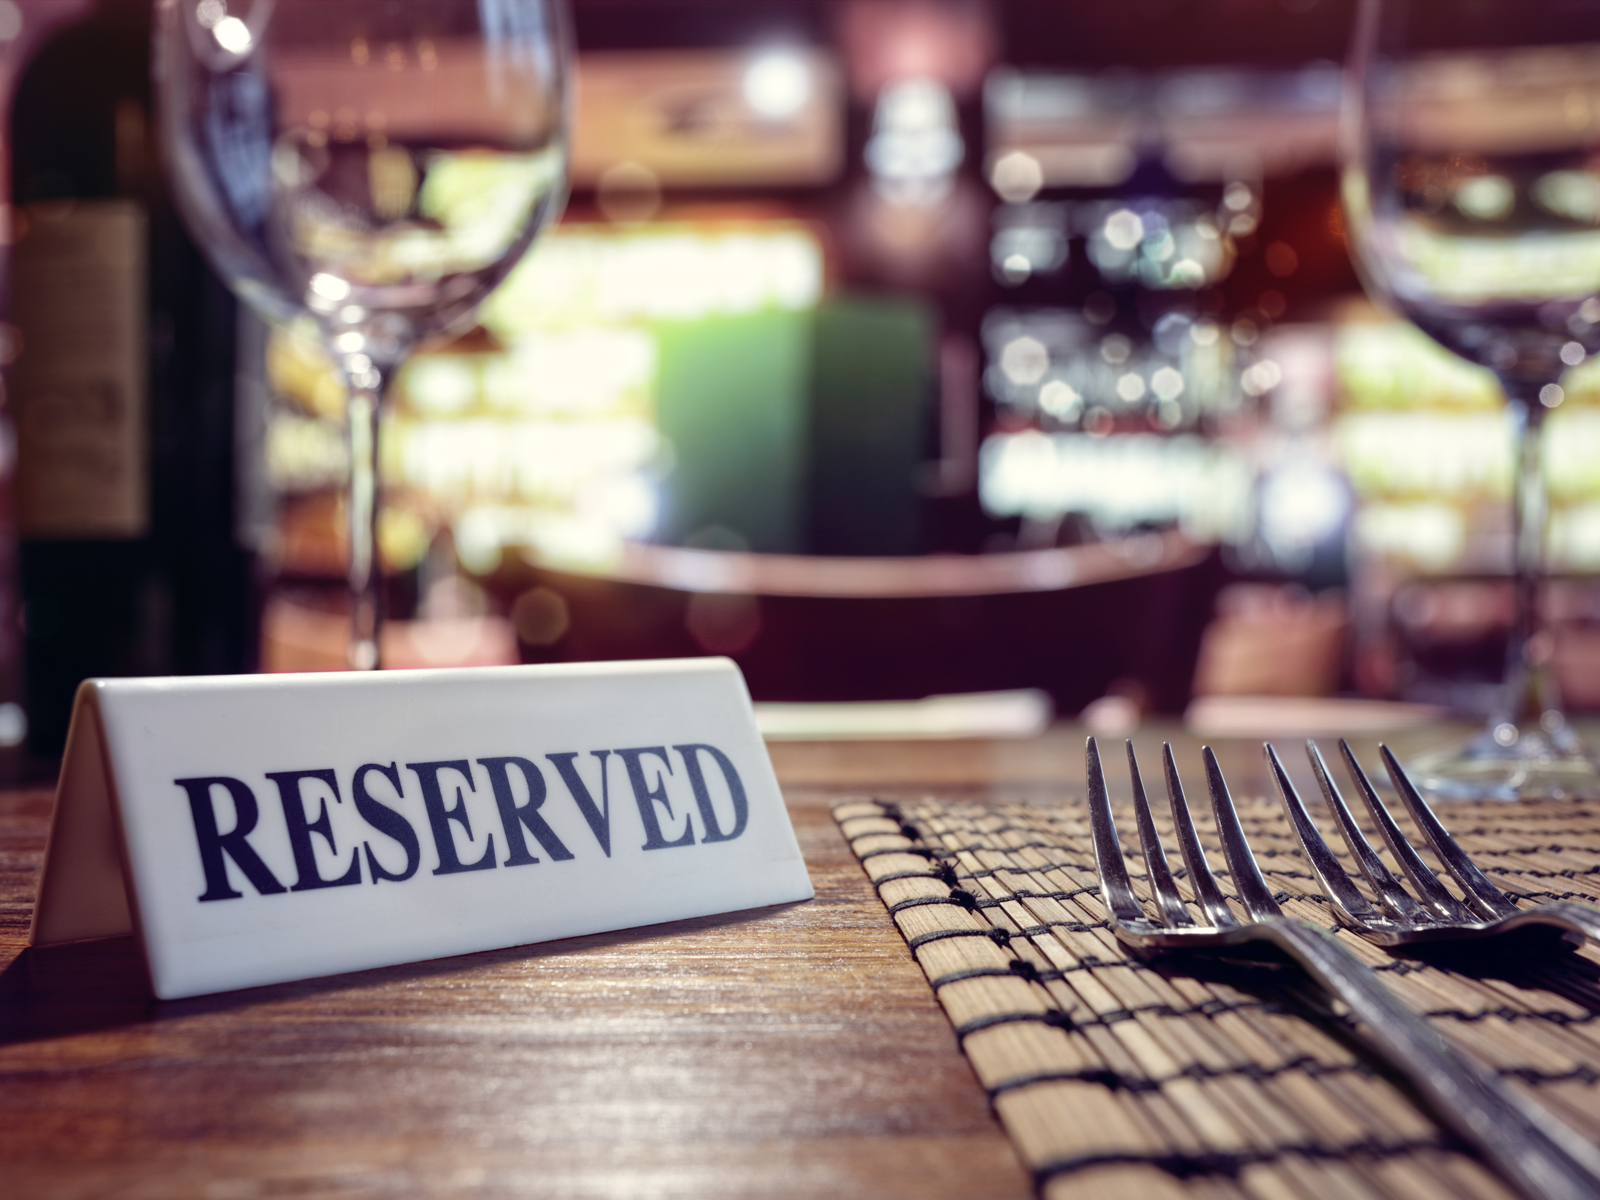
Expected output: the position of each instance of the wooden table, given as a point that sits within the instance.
(789, 1051)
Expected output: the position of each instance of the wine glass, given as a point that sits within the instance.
(1471, 187)
(375, 165)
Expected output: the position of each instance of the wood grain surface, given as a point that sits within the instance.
(790, 1051)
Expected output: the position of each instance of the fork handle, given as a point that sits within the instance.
(1535, 1153)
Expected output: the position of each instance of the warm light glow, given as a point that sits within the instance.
(1118, 483)
(1486, 197)
(1303, 504)
(1574, 195)
(671, 272)
(1431, 535)
(1167, 383)
(1261, 377)
(547, 445)
(1124, 229)
(329, 287)
(1426, 453)
(1470, 270)
(777, 84)
(1025, 360)
(915, 146)
(233, 35)
(1016, 176)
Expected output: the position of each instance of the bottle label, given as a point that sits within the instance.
(79, 387)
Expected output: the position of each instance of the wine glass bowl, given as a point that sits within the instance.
(1471, 188)
(378, 167)
(1486, 237)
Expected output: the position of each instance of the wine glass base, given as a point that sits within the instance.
(1505, 763)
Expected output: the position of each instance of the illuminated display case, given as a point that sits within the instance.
(852, 285)
(872, 283)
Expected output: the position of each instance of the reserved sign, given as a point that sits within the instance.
(256, 829)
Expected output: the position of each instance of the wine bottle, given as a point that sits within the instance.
(121, 388)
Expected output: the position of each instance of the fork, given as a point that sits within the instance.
(1541, 1158)
(1398, 919)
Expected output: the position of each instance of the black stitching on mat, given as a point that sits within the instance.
(1054, 1018)
(981, 848)
(970, 973)
(938, 935)
(1513, 1014)
(920, 901)
(1117, 1081)
(1101, 1075)
(1210, 1008)
(1582, 1073)
(1045, 927)
(1535, 873)
(1035, 973)
(1019, 969)
(1025, 894)
(1184, 1166)
(919, 851)
(1586, 897)
(894, 875)
(986, 872)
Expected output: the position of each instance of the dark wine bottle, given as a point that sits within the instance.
(121, 388)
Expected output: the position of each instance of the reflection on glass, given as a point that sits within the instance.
(547, 441)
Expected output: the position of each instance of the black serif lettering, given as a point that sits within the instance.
(439, 817)
(234, 844)
(702, 797)
(300, 829)
(647, 797)
(386, 821)
(514, 816)
(599, 818)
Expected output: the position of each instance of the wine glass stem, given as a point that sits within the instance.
(365, 569)
(1530, 696)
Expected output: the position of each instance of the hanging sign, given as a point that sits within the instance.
(256, 829)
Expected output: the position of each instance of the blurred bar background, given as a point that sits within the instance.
(895, 348)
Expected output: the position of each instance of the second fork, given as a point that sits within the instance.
(1398, 919)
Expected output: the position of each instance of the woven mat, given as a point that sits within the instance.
(1115, 1077)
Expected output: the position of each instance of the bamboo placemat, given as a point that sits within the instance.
(1115, 1077)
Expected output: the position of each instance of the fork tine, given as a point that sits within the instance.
(1247, 879)
(1390, 894)
(1422, 878)
(1206, 892)
(1481, 894)
(1115, 885)
(1155, 855)
(1336, 881)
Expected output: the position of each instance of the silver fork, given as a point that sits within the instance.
(1398, 919)
(1540, 1157)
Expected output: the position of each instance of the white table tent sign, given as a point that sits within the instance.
(256, 829)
